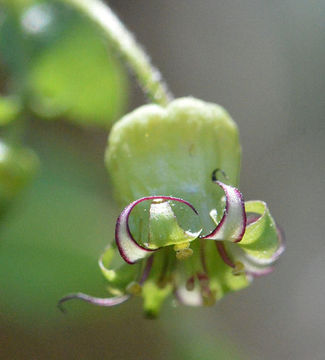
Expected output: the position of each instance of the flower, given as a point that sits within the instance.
(160, 161)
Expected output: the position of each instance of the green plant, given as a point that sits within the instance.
(169, 156)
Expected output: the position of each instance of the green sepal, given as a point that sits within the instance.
(117, 272)
(164, 229)
(261, 239)
(173, 151)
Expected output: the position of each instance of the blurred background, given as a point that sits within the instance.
(264, 62)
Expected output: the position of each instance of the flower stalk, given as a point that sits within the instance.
(123, 42)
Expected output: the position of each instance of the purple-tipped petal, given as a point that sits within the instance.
(129, 249)
(253, 266)
(233, 222)
(93, 300)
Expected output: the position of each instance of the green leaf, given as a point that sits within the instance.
(78, 78)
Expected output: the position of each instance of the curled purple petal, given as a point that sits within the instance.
(129, 249)
(233, 222)
(93, 300)
(253, 266)
(266, 262)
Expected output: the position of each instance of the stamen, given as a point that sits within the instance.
(208, 297)
(146, 270)
(162, 282)
(223, 254)
(158, 201)
(203, 279)
(190, 283)
(183, 251)
(239, 268)
(134, 288)
(202, 255)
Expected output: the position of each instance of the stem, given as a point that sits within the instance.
(122, 40)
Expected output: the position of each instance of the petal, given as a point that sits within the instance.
(263, 241)
(189, 298)
(253, 266)
(118, 273)
(129, 249)
(93, 300)
(164, 229)
(232, 224)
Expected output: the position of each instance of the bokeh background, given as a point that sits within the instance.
(264, 62)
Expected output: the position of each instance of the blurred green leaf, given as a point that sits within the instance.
(78, 78)
(51, 239)
(18, 166)
(9, 110)
(60, 61)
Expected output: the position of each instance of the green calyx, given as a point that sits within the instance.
(173, 151)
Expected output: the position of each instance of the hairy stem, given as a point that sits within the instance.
(123, 42)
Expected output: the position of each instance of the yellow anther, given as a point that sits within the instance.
(134, 288)
(190, 284)
(158, 201)
(183, 250)
(239, 268)
(184, 253)
(164, 281)
(181, 246)
(208, 298)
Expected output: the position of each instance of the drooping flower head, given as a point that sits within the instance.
(185, 229)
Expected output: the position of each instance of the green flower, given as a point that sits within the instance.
(164, 164)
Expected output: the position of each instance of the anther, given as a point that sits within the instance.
(183, 250)
(208, 297)
(238, 269)
(134, 288)
(190, 283)
(158, 201)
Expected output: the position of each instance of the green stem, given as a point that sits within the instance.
(125, 44)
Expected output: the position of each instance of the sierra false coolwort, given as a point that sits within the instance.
(183, 231)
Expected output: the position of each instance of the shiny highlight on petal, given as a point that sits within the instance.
(129, 249)
(233, 222)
